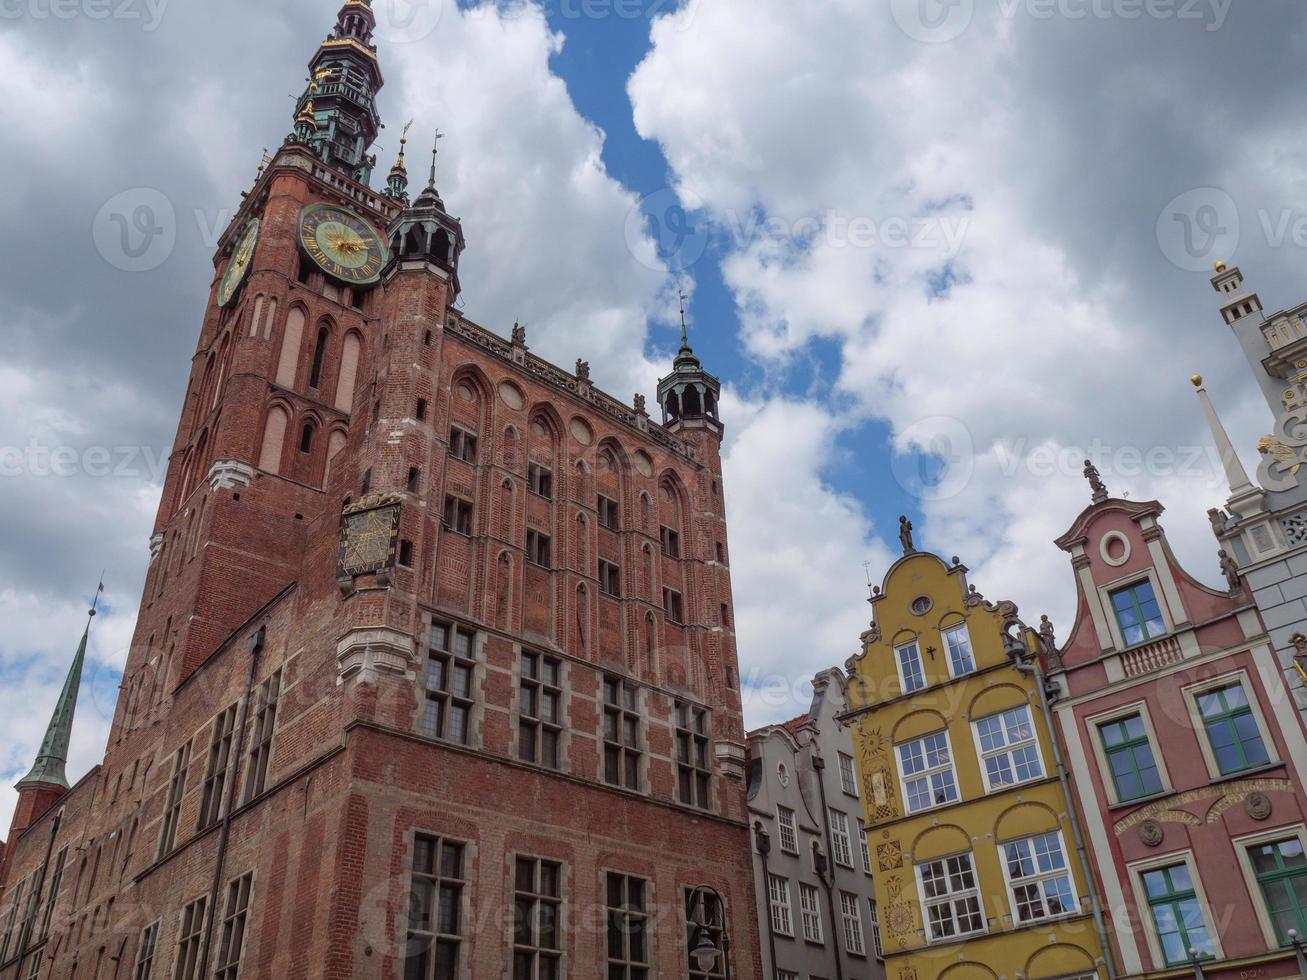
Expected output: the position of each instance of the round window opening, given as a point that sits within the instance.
(1115, 548)
(921, 605)
(783, 774)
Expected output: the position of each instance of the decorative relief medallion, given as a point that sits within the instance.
(1151, 833)
(369, 536)
(1218, 799)
(889, 856)
(1258, 806)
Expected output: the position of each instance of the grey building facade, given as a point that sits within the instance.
(817, 917)
(1263, 528)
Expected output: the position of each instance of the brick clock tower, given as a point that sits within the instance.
(435, 671)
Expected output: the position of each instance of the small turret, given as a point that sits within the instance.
(689, 395)
(1242, 311)
(397, 182)
(426, 233)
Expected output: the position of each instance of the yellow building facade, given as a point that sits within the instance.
(978, 865)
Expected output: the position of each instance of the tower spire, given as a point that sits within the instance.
(53, 754)
(1236, 476)
(397, 183)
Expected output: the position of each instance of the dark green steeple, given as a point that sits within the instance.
(689, 394)
(337, 114)
(53, 756)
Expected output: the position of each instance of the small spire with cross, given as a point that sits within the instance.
(435, 151)
(685, 337)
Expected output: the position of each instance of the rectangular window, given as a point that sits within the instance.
(186, 965)
(849, 911)
(265, 725)
(848, 775)
(778, 894)
(540, 704)
(671, 541)
(621, 733)
(52, 894)
(1039, 880)
(952, 898)
(877, 943)
(863, 849)
(927, 767)
(788, 832)
(537, 548)
(458, 515)
(11, 920)
(693, 770)
(34, 965)
(1130, 758)
(1138, 613)
(540, 481)
(609, 516)
(840, 843)
(1281, 870)
(810, 910)
(462, 445)
(231, 945)
(537, 920)
(674, 606)
(628, 924)
(173, 808)
(1232, 730)
(704, 921)
(610, 578)
(435, 910)
(911, 675)
(961, 660)
(451, 676)
(145, 952)
(215, 775)
(1009, 751)
(1177, 915)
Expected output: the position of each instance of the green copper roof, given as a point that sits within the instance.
(50, 761)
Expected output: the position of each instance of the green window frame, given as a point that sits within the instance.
(1177, 914)
(1281, 870)
(1130, 758)
(1138, 613)
(1232, 731)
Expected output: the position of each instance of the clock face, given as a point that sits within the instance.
(242, 257)
(345, 246)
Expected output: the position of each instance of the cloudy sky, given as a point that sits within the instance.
(938, 250)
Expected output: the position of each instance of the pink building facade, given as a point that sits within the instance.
(1188, 756)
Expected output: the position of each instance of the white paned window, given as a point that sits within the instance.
(911, 675)
(840, 843)
(810, 907)
(1009, 751)
(852, 924)
(789, 835)
(848, 777)
(960, 658)
(928, 777)
(1039, 881)
(950, 897)
(778, 891)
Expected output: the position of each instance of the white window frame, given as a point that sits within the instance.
(927, 772)
(855, 943)
(1038, 878)
(950, 899)
(863, 847)
(1093, 724)
(778, 901)
(877, 940)
(1191, 694)
(781, 827)
(848, 774)
(1143, 910)
(810, 913)
(841, 843)
(1241, 845)
(1007, 749)
(915, 646)
(948, 650)
(1109, 611)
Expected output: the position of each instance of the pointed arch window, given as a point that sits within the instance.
(319, 355)
(306, 437)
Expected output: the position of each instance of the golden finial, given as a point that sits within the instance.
(1220, 266)
(1197, 380)
(320, 76)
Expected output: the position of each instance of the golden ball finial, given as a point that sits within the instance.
(1220, 266)
(1197, 380)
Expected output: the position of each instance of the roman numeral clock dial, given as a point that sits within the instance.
(342, 244)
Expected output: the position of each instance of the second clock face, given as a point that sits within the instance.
(239, 266)
(344, 246)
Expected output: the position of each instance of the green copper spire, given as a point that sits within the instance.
(50, 761)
